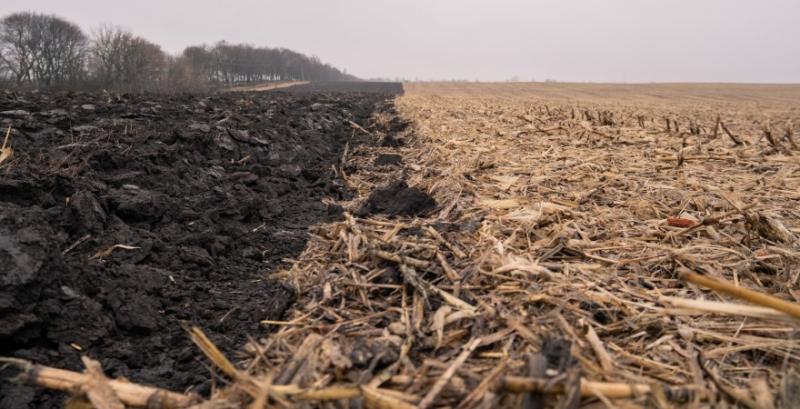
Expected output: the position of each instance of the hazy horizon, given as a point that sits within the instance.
(616, 41)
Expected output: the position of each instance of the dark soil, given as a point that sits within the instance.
(209, 193)
(388, 159)
(391, 141)
(397, 199)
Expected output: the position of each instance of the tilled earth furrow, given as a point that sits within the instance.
(123, 217)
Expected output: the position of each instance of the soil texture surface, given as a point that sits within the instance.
(124, 218)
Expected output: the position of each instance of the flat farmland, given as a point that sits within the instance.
(787, 95)
(440, 245)
(592, 245)
(599, 204)
(195, 216)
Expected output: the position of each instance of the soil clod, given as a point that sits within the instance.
(388, 159)
(397, 199)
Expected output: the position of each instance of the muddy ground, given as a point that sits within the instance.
(124, 217)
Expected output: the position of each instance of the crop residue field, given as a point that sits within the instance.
(569, 254)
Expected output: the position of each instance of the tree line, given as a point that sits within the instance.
(46, 51)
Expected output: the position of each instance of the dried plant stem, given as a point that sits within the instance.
(400, 259)
(790, 308)
(600, 351)
(588, 388)
(687, 306)
(359, 127)
(513, 384)
(5, 150)
(733, 137)
(5, 140)
(451, 370)
(130, 394)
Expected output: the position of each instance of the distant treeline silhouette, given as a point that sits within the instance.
(45, 51)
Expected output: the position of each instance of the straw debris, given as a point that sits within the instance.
(553, 262)
(5, 149)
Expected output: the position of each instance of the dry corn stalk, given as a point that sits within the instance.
(103, 393)
(5, 150)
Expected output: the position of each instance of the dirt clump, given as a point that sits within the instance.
(392, 141)
(397, 199)
(388, 159)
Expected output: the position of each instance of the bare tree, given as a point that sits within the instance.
(183, 76)
(120, 60)
(200, 59)
(41, 49)
(109, 45)
(145, 64)
(17, 46)
(44, 50)
(240, 63)
(5, 71)
(62, 52)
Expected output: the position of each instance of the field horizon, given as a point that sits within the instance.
(772, 95)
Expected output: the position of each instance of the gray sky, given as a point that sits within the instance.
(566, 40)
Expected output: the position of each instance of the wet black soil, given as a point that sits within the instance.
(388, 159)
(397, 199)
(124, 217)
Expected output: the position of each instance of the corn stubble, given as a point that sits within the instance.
(582, 223)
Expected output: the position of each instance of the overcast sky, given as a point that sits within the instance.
(566, 40)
